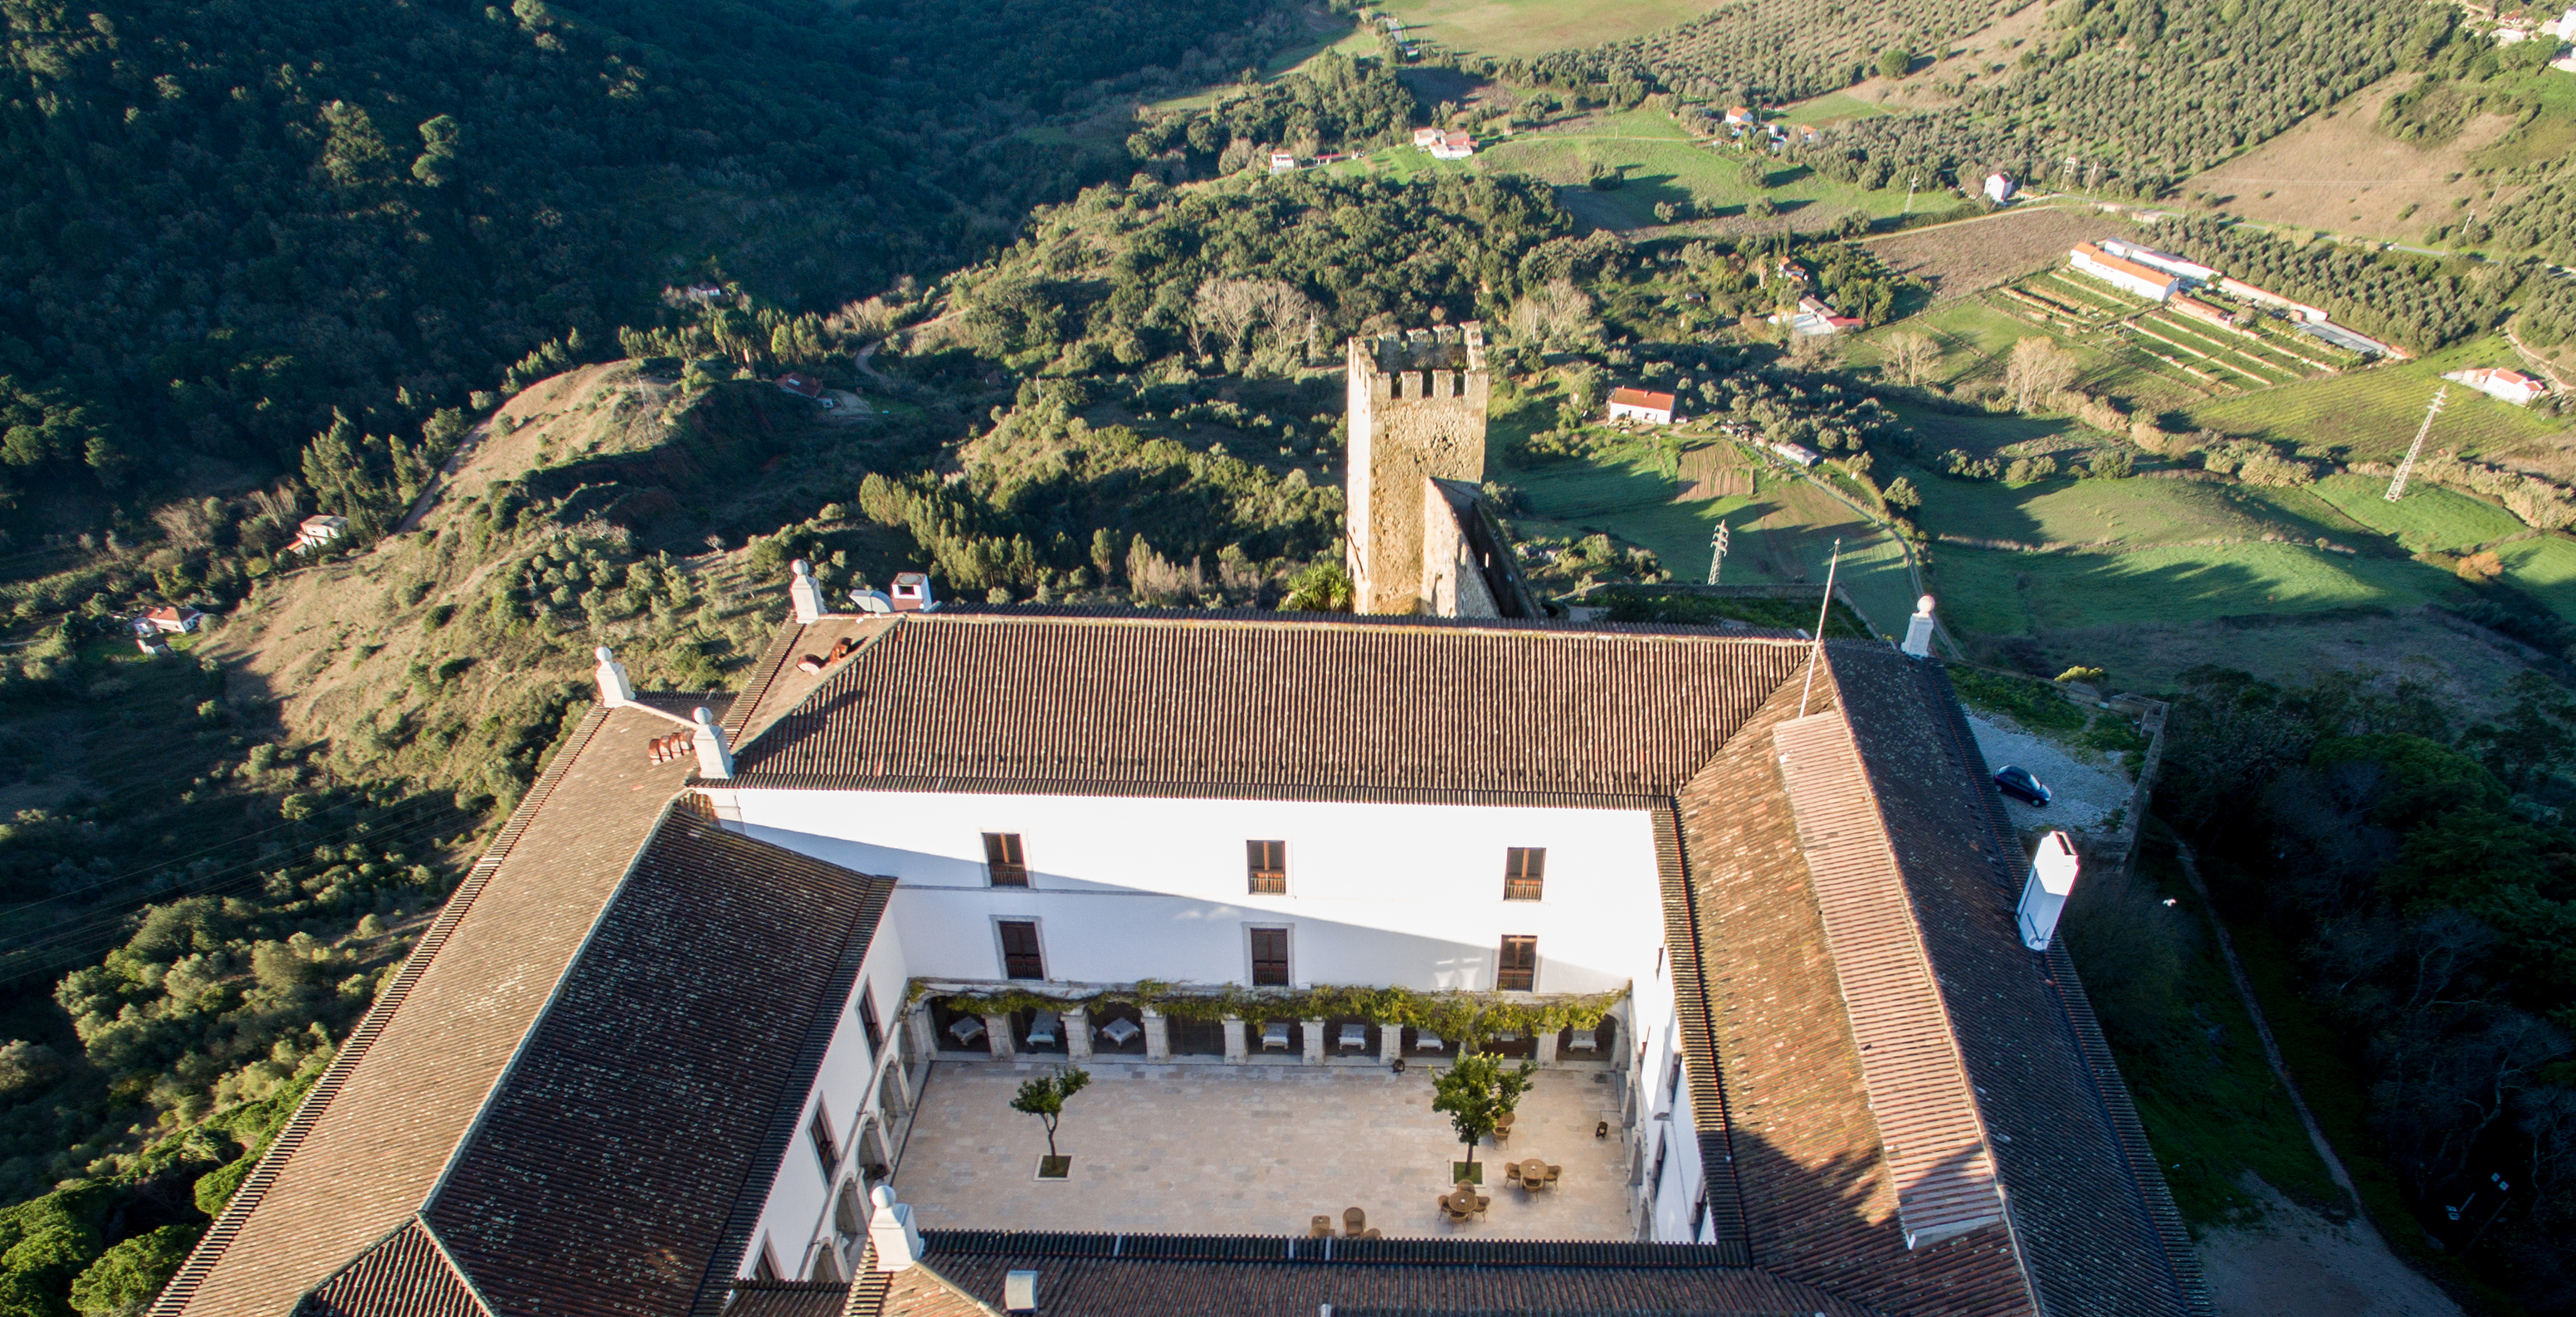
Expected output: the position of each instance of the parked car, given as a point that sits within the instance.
(2016, 782)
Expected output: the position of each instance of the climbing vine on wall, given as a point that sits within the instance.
(1465, 1016)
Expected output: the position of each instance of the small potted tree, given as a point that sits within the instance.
(1044, 1098)
(1476, 1092)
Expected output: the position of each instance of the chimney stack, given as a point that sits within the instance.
(912, 592)
(2043, 897)
(1020, 1292)
(804, 593)
(614, 688)
(1918, 630)
(715, 759)
(890, 1230)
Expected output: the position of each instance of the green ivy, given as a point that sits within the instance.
(1468, 1017)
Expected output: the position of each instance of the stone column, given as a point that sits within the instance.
(1158, 1036)
(1547, 1046)
(1077, 1035)
(997, 1035)
(1314, 1042)
(1234, 1049)
(925, 1042)
(1390, 1043)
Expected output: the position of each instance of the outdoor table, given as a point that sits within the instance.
(1462, 1200)
(1534, 1173)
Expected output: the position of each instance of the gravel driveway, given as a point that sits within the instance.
(2086, 786)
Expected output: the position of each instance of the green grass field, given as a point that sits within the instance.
(2137, 512)
(1534, 27)
(2429, 517)
(2372, 414)
(1783, 533)
(1661, 163)
(2004, 593)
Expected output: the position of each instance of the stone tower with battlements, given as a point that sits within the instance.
(1417, 413)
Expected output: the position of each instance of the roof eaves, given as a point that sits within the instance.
(788, 1103)
(182, 1287)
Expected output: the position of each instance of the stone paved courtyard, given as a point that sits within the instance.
(1252, 1149)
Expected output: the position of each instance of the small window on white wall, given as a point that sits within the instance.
(1270, 957)
(1524, 873)
(1266, 867)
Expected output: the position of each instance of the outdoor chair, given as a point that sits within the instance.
(1042, 1031)
(1320, 1227)
(1354, 1037)
(1354, 1221)
(967, 1030)
(1584, 1040)
(1274, 1035)
(1120, 1032)
(1512, 1172)
(1483, 1201)
(1427, 1041)
(1553, 1172)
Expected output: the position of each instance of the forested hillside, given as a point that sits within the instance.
(225, 220)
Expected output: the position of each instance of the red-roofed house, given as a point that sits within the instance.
(1641, 405)
(1456, 144)
(2124, 274)
(168, 620)
(803, 386)
(2502, 385)
(1739, 114)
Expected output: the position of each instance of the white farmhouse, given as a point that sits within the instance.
(1999, 188)
(2502, 385)
(2122, 273)
(1642, 405)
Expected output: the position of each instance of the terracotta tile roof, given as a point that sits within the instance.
(1818, 1204)
(1336, 705)
(2123, 265)
(1155, 1276)
(450, 1100)
(787, 1298)
(1642, 398)
(585, 1192)
(407, 1271)
(2091, 1218)
(1919, 1094)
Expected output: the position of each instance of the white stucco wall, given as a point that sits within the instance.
(798, 1211)
(1128, 888)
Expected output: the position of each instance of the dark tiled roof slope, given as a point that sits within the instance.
(608, 1164)
(787, 1298)
(1346, 705)
(363, 1151)
(2085, 1220)
(1819, 1204)
(1102, 1286)
(405, 1272)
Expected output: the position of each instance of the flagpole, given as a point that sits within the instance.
(1816, 655)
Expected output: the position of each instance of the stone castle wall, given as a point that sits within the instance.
(1417, 409)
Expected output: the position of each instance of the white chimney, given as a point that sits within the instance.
(715, 758)
(804, 593)
(890, 1230)
(614, 688)
(1918, 629)
(1020, 1292)
(912, 592)
(872, 601)
(2043, 898)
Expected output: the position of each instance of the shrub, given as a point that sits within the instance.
(125, 1278)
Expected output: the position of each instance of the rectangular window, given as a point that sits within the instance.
(1699, 1212)
(824, 1146)
(1524, 873)
(868, 1022)
(1517, 969)
(1020, 958)
(1004, 862)
(1270, 957)
(1266, 865)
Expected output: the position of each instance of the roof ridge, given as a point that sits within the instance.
(554, 996)
(1232, 618)
(409, 1224)
(764, 672)
(182, 1287)
(1846, 869)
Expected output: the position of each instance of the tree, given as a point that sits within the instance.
(2038, 370)
(1044, 1097)
(125, 1278)
(1322, 588)
(1477, 1092)
(1756, 173)
(1895, 62)
(1910, 355)
(1557, 316)
(1902, 494)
